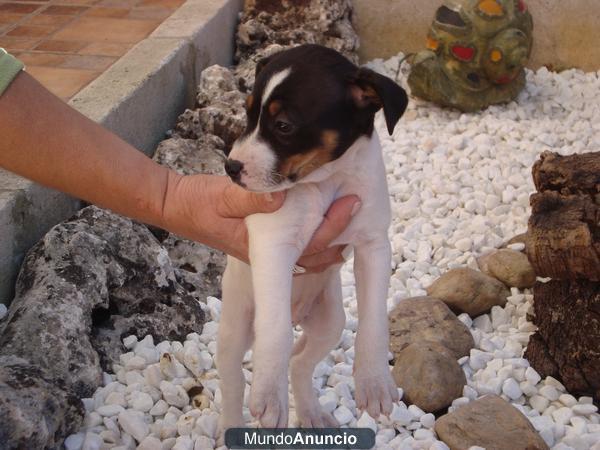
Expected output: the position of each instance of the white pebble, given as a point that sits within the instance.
(539, 403)
(549, 392)
(400, 415)
(174, 395)
(532, 376)
(427, 420)
(343, 415)
(584, 410)
(150, 443)
(92, 442)
(511, 389)
(74, 441)
(562, 415)
(110, 410)
(366, 421)
(141, 401)
(132, 422)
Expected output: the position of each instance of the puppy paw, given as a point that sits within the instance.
(375, 391)
(313, 416)
(269, 402)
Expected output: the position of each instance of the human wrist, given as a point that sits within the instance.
(171, 210)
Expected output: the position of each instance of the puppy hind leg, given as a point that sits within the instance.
(321, 332)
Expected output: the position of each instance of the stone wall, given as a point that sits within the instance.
(566, 34)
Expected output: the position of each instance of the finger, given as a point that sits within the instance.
(322, 260)
(335, 221)
(237, 202)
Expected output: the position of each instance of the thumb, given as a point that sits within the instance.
(237, 202)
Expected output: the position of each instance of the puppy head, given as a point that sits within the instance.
(308, 106)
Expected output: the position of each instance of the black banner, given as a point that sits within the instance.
(300, 438)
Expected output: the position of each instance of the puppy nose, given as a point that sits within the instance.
(233, 168)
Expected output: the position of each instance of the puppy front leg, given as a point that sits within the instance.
(272, 263)
(375, 387)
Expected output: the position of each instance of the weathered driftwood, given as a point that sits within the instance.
(565, 346)
(563, 238)
(572, 174)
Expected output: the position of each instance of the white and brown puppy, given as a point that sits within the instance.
(310, 130)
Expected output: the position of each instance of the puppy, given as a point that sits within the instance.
(310, 131)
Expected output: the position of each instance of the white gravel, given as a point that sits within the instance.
(459, 186)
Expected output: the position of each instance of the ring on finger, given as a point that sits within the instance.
(298, 270)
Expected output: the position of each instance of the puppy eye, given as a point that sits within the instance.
(284, 128)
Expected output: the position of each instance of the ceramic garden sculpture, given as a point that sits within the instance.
(476, 54)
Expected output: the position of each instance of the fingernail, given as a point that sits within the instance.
(268, 197)
(355, 208)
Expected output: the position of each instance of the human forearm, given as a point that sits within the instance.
(45, 140)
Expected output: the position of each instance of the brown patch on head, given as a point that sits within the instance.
(299, 166)
(249, 101)
(274, 107)
(330, 140)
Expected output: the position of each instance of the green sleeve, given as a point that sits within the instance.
(9, 68)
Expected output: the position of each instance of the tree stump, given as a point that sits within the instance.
(566, 345)
(563, 238)
(563, 243)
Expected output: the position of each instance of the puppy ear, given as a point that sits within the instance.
(370, 90)
(260, 65)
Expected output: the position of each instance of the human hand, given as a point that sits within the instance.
(211, 209)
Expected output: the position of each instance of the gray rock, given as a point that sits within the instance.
(36, 412)
(199, 268)
(325, 22)
(426, 319)
(429, 375)
(192, 156)
(91, 281)
(215, 81)
(469, 291)
(509, 266)
(246, 68)
(221, 109)
(489, 422)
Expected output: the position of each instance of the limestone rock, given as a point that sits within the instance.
(214, 81)
(269, 24)
(466, 290)
(491, 423)
(24, 388)
(429, 375)
(509, 266)
(192, 156)
(325, 22)
(221, 109)
(426, 319)
(199, 268)
(89, 282)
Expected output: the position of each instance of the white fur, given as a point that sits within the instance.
(259, 301)
(275, 80)
(258, 158)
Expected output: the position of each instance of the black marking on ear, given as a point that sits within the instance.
(372, 90)
(260, 65)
